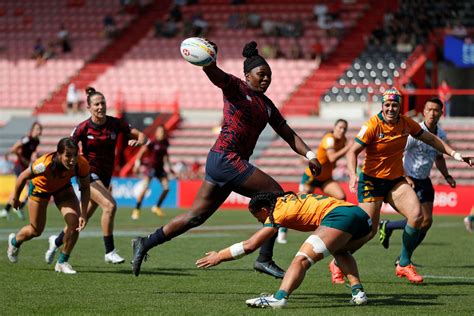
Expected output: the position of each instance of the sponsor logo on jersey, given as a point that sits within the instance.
(39, 168)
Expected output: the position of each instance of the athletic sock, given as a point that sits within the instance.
(155, 239)
(59, 240)
(63, 257)
(283, 230)
(396, 224)
(356, 289)
(16, 243)
(8, 207)
(22, 205)
(109, 243)
(266, 250)
(471, 218)
(138, 205)
(280, 294)
(420, 238)
(409, 242)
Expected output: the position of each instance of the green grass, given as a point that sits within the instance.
(171, 285)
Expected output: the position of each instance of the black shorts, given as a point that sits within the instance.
(105, 180)
(424, 190)
(156, 172)
(227, 169)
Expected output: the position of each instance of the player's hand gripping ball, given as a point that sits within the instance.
(198, 51)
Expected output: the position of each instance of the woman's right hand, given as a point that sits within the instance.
(15, 203)
(354, 178)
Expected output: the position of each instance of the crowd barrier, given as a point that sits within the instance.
(448, 201)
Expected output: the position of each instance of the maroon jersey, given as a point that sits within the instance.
(28, 147)
(99, 141)
(157, 150)
(246, 113)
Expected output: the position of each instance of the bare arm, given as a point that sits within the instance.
(84, 187)
(138, 158)
(352, 154)
(334, 156)
(300, 147)
(437, 143)
(16, 149)
(137, 138)
(441, 165)
(215, 74)
(213, 258)
(26, 175)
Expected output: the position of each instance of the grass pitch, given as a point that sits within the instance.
(169, 283)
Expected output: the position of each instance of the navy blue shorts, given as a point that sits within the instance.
(227, 169)
(424, 190)
(105, 180)
(156, 172)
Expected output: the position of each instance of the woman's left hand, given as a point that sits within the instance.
(134, 143)
(315, 167)
(211, 259)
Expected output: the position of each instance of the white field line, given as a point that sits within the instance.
(447, 277)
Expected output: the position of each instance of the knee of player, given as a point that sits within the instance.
(196, 220)
(110, 207)
(427, 222)
(304, 260)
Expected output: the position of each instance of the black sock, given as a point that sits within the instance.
(109, 243)
(22, 205)
(8, 207)
(138, 205)
(59, 240)
(155, 239)
(420, 238)
(266, 250)
(396, 224)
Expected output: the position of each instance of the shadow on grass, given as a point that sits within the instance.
(327, 300)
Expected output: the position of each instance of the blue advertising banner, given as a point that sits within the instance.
(126, 190)
(459, 51)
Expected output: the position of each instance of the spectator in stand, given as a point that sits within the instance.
(175, 13)
(200, 26)
(404, 44)
(38, 52)
(458, 30)
(272, 50)
(317, 53)
(110, 27)
(63, 39)
(254, 20)
(73, 100)
(296, 51)
(168, 29)
(410, 87)
(444, 92)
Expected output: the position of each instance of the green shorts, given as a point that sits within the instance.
(36, 194)
(370, 189)
(311, 181)
(349, 219)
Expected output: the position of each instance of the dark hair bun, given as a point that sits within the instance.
(250, 50)
(90, 91)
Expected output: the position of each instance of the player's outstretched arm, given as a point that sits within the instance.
(351, 156)
(26, 175)
(443, 147)
(237, 250)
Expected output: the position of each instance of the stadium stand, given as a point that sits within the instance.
(24, 83)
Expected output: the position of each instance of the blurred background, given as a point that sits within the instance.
(330, 60)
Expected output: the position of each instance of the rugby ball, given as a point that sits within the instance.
(198, 51)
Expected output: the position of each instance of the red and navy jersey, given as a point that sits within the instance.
(27, 148)
(246, 113)
(157, 150)
(99, 141)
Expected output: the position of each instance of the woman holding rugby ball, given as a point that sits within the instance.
(246, 113)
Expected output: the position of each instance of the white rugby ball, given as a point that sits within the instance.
(198, 51)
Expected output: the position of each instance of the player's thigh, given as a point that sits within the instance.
(208, 199)
(403, 198)
(257, 182)
(332, 188)
(333, 239)
(37, 210)
(165, 183)
(101, 195)
(68, 204)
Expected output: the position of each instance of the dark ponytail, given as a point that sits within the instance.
(266, 199)
(252, 58)
(90, 92)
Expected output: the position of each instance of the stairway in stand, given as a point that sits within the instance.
(130, 36)
(305, 99)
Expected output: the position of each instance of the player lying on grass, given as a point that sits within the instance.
(339, 228)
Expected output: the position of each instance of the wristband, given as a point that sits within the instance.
(310, 155)
(457, 156)
(237, 250)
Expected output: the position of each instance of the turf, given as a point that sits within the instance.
(171, 285)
